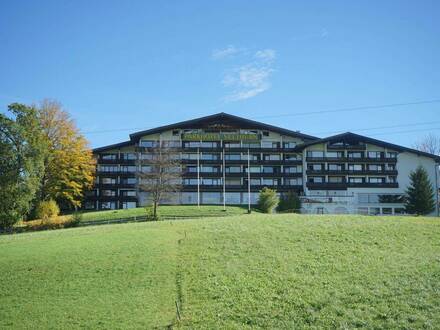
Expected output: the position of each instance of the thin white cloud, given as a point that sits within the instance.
(229, 51)
(266, 55)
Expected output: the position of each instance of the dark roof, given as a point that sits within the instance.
(112, 146)
(349, 135)
(222, 116)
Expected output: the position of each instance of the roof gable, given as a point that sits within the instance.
(222, 120)
(348, 136)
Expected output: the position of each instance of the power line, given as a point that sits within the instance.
(407, 131)
(379, 127)
(371, 107)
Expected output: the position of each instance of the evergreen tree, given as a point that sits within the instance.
(420, 194)
(290, 202)
(267, 200)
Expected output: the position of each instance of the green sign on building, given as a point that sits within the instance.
(220, 136)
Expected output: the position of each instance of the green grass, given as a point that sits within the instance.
(258, 271)
(167, 211)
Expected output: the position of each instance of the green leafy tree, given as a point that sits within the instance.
(267, 200)
(22, 153)
(420, 194)
(290, 202)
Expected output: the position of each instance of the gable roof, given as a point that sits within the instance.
(113, 146)
(223, 117)
(350, 135)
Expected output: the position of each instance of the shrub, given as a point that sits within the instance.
(47, 210)
(289, 203)
(268, 200)
(150, 214)
(74, 220)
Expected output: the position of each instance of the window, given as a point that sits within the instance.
(271, 157)
(232, 144)
(376, 180)
(336, 179)
(128, 193)
(128, 156)
(175, 132)
(315, 167)
(356, 180)
(233, 198)
(209, 169)
(209, 144)
(288, 145)
(391, 167)
(128, 205)
(271, 169)
(232, 157)
(316, 154)
(253, 169)
(190, 156)
(291, 157)
(212, 182)
(108, 205)
(374, 154)
(233, 169)
(108, 180)
(89, 205)
(316, 179)
(255, 182)
(354, 167)
(108, 156)
(149, 143)
(191, 144)
(250, 145)
(146, 169)
(293, 182)
(391, 154)
(335, 154)
(211, 198)
(270, 144)
(108, 168)
(387, 210)
(399, 210)
(270, 182)
(362, 210)
(171, 144)
(375, 167)
(251, 157)
(190, 182)
(335, 167)
(128, 181)
(128, 169)
(292, 169)
(355, 154)
(265, 133)
(233, 182)
(148, 156)
(392, 179)
(374, 210)
(210, 156)
(108, 193)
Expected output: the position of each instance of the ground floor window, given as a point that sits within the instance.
(108, 205)
(128, 205)
(387, 210)
(374, 210)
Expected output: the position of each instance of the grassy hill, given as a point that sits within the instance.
(257, 271)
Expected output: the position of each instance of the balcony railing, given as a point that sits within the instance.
(351, 160)
(349, 172)
(345, 185)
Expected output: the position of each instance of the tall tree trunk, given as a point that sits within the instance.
(155, 210)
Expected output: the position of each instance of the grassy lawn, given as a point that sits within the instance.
(167, 211)
(258, 271)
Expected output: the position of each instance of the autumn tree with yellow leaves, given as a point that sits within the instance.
(69, 164)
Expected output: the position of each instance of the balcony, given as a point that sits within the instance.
(348, 172)
(345, 185)
(350, 160)
(239, 188)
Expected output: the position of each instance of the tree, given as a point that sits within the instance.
(420, 194)
(290, 202)
(69, 163)
(22, 153)
(159, 174)
(429, 144)
(267, 200)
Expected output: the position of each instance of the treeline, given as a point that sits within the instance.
(44, 159)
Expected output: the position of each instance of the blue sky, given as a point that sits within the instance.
(118, 65)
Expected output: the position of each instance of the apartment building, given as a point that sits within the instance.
(229, 159)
